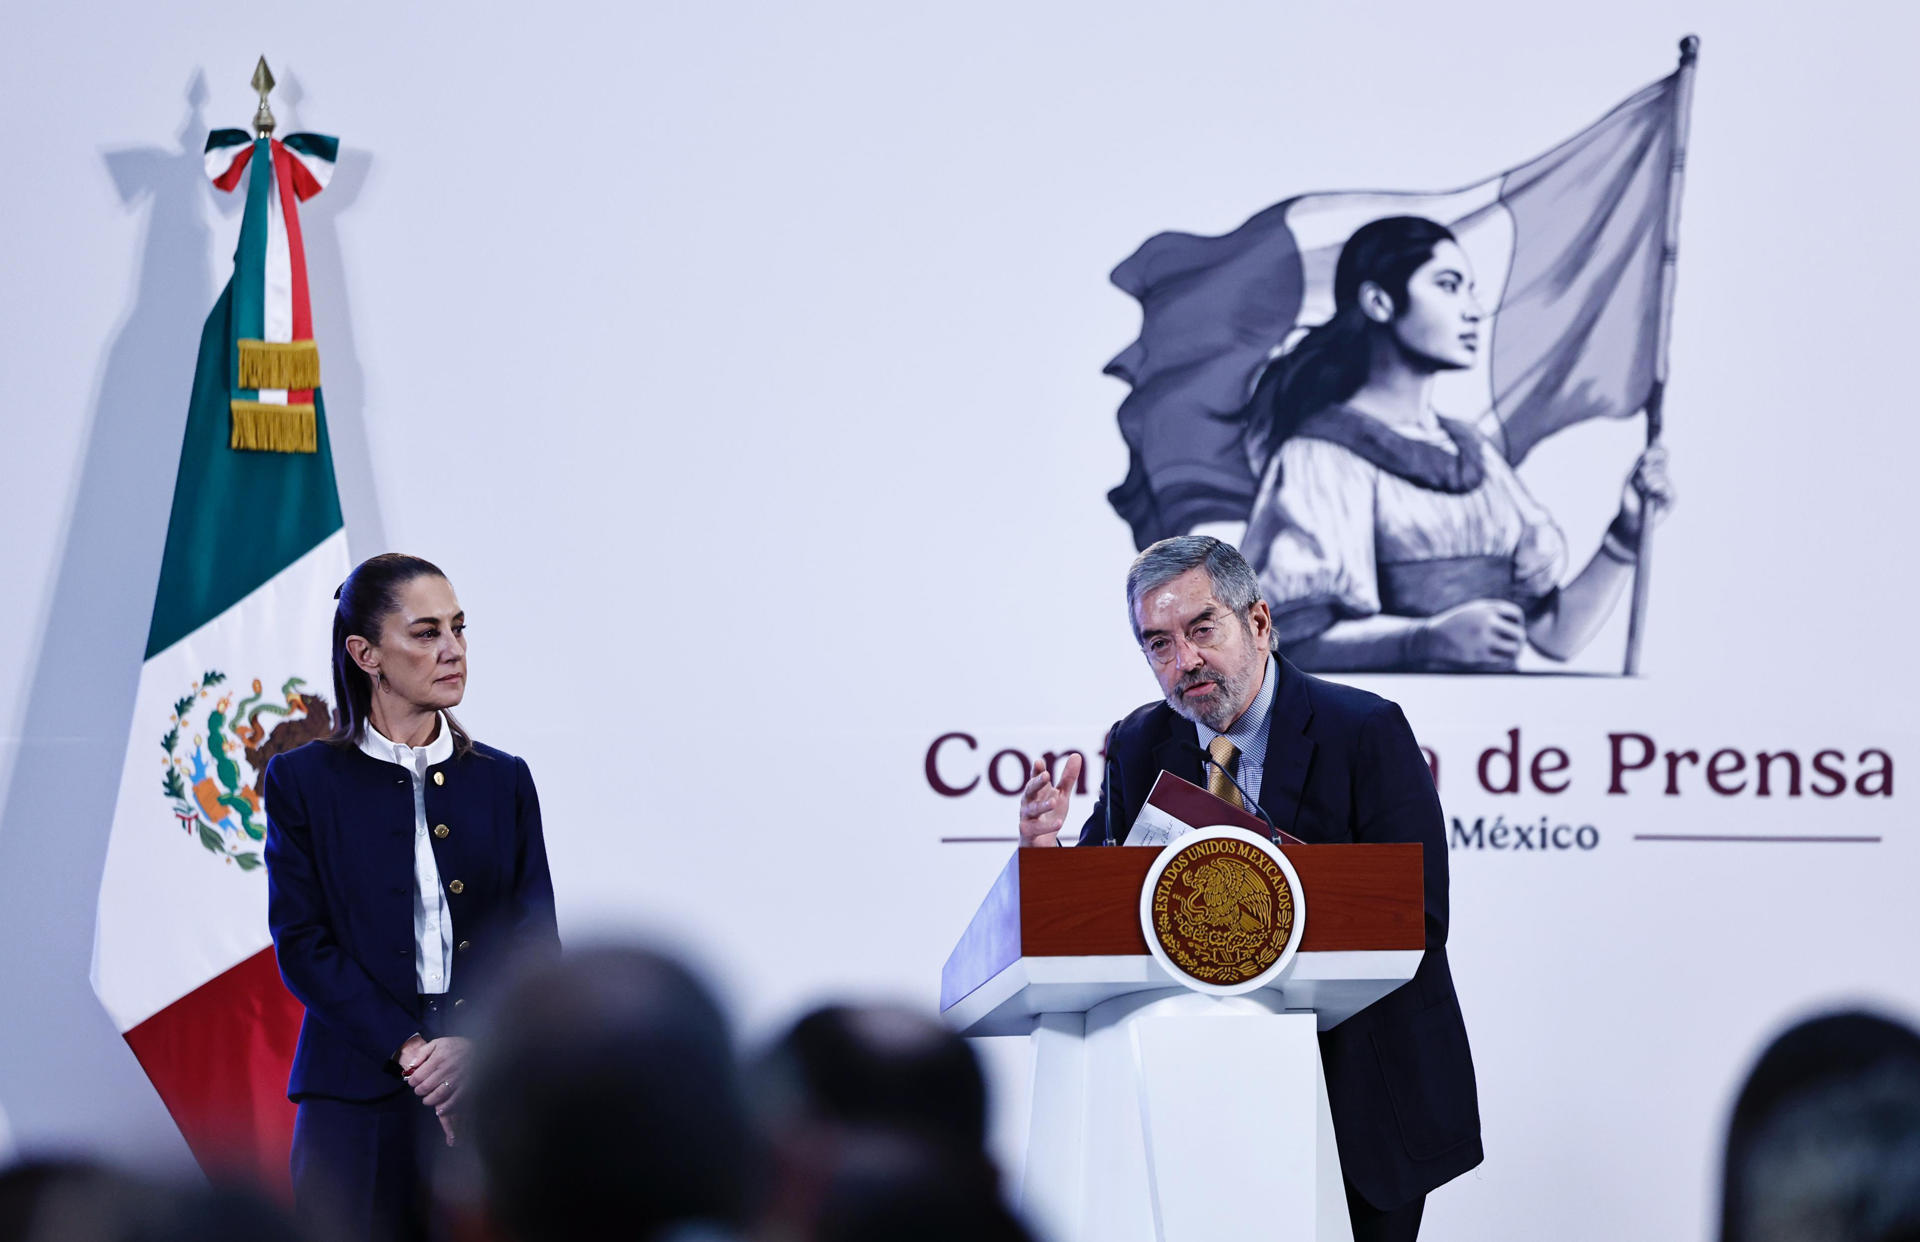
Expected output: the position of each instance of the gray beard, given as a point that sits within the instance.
(1227, 695)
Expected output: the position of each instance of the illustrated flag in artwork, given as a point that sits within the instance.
(1568, 250)
(236, 671)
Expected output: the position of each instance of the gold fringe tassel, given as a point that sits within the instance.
(267, 428)
(279, 364)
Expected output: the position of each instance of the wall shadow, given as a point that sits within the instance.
(68, 1079)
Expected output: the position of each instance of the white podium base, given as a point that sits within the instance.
(1170, 1116)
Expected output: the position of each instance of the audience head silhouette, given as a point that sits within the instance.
(1824, 1143)
(878, 1065)
(79, 1200)
(608, 1095)
(880, 1184)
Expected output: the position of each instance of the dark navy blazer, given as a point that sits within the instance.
(1342, 766)
(340, 881)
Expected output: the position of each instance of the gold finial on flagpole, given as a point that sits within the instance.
(263, 117)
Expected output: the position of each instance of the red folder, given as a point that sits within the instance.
(1190, 804)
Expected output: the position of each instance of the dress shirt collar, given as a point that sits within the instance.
(380, 746)
(1249, 733)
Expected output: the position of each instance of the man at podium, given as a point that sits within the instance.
(1326, 763)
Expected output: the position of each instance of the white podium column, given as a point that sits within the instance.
(1054, 1173)
(1172, 1116)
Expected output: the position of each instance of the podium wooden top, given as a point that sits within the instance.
(1085, 902)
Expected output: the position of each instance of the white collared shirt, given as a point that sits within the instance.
(432, 921)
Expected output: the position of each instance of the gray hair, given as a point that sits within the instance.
(1233, 582)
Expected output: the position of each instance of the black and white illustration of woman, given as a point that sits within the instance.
(1388, 537)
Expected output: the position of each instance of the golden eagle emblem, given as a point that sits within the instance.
(1223, 910)
(1226, 895)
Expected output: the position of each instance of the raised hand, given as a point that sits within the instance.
(1043, 804)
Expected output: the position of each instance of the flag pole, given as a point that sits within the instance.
(1656, 396)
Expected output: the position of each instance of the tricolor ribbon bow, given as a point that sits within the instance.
(274, 366)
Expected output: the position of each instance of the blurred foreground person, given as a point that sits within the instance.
(1824, 1144)
(877, 1064)
(875, 1183)
(71, 1200)
(606, 1102)
(877, 1118)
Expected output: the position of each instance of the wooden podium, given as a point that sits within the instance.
(1160, 1113)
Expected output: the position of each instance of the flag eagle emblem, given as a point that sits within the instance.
(213, 767)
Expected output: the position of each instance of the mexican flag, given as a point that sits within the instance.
(236, 671)
(1568, 251)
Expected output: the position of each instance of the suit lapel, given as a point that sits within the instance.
(1283, 780)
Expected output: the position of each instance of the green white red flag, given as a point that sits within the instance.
(235, 672)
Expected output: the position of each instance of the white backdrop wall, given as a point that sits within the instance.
(742, 366)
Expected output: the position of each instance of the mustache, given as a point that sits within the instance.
(1194, 679)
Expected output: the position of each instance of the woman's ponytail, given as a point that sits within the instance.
(352, 688)
(1324, 368)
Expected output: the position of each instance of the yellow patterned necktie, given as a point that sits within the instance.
(1226, 759)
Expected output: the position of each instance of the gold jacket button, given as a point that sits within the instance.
(464, 945)
(441, 831)
(456, 888)
(439, 778)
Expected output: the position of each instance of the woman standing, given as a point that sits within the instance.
(1386, 536)
(404, 862)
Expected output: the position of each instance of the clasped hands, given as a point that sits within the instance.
(436, 1070)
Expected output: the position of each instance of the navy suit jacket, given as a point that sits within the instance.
(340, 879)
(1342, 766)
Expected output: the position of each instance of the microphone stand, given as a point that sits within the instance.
(1106, 771)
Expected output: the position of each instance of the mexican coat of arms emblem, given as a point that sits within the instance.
(1222, 909)
(214, 761)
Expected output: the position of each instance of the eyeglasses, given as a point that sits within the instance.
(1202, 636)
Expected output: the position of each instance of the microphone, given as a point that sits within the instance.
(1106, 772)
(1206, 757)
